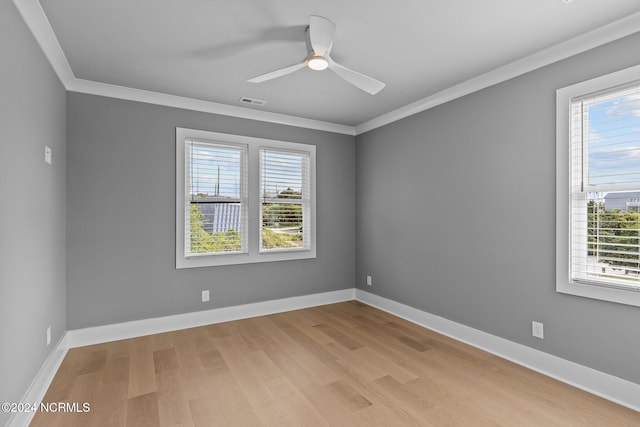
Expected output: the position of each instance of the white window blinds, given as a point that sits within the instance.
(605, 188)
(285, 200)
(241, 199)
(216, 199)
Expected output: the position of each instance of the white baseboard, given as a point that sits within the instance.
(610, 387)
(36, 391)
(138, 328)
(607, 386)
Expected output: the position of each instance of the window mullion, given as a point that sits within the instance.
(254, 205)
(218, 180)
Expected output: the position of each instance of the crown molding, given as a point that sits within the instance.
(139, 95)
(34, 17)
(592, 39)
(36, 20)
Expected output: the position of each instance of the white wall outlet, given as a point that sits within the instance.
(537, 330)
(205, 296)
(369, 282)
(48, 154)
(49, 335)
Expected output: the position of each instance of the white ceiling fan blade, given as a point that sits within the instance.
(321, 34)
(366, 83)
(277, 73)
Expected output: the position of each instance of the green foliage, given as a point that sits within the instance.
(613, 235)
(287, 217)
(271, 239)
(284, 215)
(289, 193)
(281, 215)
(204, 242)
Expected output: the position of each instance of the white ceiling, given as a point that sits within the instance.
(207, 49)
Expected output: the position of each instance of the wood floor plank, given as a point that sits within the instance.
(142, 376)
(345, 364)
(282, 344)
(361, 367)
(213, 362)
(274, 399)
(201, 414)
(349, 375)
(142, 411)
(296, 410)
(162, 341)
(228, 404)
(376, 352)
(348, 396)
(192, 372)
(214, 396)
(306, 322)
(93, 361)
(165, 360)
(173, 407)
(202, 340)
(304, 372)
(110, 408)
(116, 370)
(338, 336)
(85, 390)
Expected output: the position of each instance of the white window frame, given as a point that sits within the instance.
(253, 253)
(305, 201)
(564, 97)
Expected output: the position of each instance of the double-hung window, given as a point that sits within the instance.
(242, 199)
(215, 205)
(285, 200)
(598, 188)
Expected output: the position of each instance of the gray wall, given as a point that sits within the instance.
(456, 216)
(121, 216)
(455, 212)
(32, 210)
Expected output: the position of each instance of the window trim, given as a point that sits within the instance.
(243, 199)
(564, 97)
(253, 146)
(304, 202)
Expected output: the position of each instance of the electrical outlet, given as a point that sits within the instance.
(49, 335)
(205, 296)
(537, 330)
(369, 281)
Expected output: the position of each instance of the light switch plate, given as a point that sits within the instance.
(48, 154)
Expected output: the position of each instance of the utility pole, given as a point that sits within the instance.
(218, 183)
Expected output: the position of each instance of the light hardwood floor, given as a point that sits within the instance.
(344, 364)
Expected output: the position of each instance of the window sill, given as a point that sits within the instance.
(235, 259)
(604, 293)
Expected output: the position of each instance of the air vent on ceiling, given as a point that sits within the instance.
(247, 100)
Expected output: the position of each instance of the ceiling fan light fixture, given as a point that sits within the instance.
(319, 42)
(317, 63)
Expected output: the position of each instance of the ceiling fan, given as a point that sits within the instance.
(319, 42)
